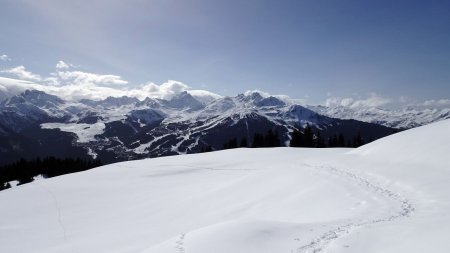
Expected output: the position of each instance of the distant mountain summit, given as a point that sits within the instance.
(403, 118)
(34, 97)
(184, 101)
(111, 101)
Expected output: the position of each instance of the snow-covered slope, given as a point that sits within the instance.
(415, 162)
(389, 196)
(428, 146)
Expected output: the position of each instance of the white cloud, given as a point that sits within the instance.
(63, 65)
(75, 85)
(165, 91)
(64, 76)
(84, 78)
(11, 87)
(4, 57)
(437, 103)
(203, 93)
(336, 101)
(285, 98)
(22, 73)
(262, 93)
(204, 96)
(404, 99)
(77, 91)
(373, 100)
(169, 89)
(376, 101)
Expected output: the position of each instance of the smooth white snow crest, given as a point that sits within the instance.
(389, 196)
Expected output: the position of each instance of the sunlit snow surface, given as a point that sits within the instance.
(84, 132)
(389, 196)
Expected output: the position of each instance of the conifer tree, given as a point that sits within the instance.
(243, 143)
(271, 139)
(258, 141)
(309, 136)
(232, 143)
(320, 143)
(341, 140)
(357, 141)
(296, 139)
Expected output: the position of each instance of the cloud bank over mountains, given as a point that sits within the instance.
(72, 84)
(22, 73)
(373, 100)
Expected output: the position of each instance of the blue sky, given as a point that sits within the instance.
(305, 49)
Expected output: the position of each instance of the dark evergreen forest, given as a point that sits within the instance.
(24, 171)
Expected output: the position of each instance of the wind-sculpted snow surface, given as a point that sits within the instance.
(389, 196)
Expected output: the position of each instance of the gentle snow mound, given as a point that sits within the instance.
(428, 145)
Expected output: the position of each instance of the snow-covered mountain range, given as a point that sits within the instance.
(35, 123)
(122, 128)
(403, 118)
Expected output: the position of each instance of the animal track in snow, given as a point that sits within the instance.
(319, 244)
(179, 244)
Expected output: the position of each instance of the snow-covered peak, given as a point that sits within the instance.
(34, 97)
(298, 113)
(119, 101)
(146, 116)
(184, 101)
(111, 101)
(250, 97)
(203, 96)
(270, 102)
(150, 102)
(260, 99)
(30, 107)
(220, 105)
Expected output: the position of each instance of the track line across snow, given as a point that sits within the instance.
(58, 210)
(320, 243)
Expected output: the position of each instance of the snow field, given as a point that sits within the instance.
(387, 196)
